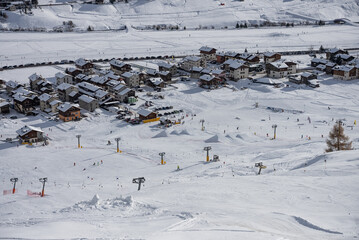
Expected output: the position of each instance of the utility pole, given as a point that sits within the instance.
(139, 181)
(78, 141)
(43, 180)
(275, 130)
(202, 121)
(162, 154)
(14, 180)
(207, 149)
(260, 166)
(117, 140)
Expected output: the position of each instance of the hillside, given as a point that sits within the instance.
(302, 194)
(181, 13)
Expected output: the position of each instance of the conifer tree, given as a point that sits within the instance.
(337, 140)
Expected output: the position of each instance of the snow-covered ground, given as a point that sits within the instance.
(189, 14)
(302, 194)
(22, 48)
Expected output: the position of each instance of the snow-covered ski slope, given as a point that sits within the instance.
(302, 194)
(184, 13)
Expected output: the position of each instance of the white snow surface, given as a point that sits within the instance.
(189, 13)
(303, 193)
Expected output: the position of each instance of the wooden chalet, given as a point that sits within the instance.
(29, 134)
(145, 114)
(120, 67)
(271, 57)
(208, 53)
(69, 112)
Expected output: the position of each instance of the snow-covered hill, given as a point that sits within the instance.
(302, 194)
(182, 13)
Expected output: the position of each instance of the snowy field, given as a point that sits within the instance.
(302, 194)
(22, 48)
(182, 13)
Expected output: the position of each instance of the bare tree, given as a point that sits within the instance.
(337, 141)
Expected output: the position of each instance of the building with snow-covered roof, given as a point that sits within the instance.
(238, 70)
(64, 91)
(34, 79)
(88, 103)
(192, 61)
(45, 100)
(132, 79)
(207, 80)
(69, 112)
(30, 134)
(271, 57)
(119, 67)
(156, 83)
(83, 64)
(4, 107)
(145, 114)
(11, 86)
(208, 53)
(345, 72)
(63, 78)
(330, 53)
(163, 66)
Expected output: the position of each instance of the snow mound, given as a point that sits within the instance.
(161, 134)
(184, 132)
(213, 139)
(126, 206)
(174, 132)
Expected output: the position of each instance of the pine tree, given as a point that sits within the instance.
(337, 141)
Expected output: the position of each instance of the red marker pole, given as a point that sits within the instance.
(43, 180)
(14, 180)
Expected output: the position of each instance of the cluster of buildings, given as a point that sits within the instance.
(87, 86)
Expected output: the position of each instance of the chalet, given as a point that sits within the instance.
(208, 81)
(63, 78)
(156, 83)
(152, 73)
(271, 57)
(208, 53)
(321, 67)
(92, 91)
(88, 103)
(196, 72)
(305, 77)
(132, 79)
(110, 85)
(73, 71)
(166, 76)
(220, 57)
(345, 72)
(343, 59)
(4, 107)
(82, 78)
(162, 66)
(53, 106)
(119, 67)
(122, 93)
(329, 67)
(45, 86)
(23, 104)
(45, 100)
(231, 55)
(69, 112)
(99, 81)
(11, 86)
(110, 75)
(317, 61)
(330, 53)
(238, 70)
(83, 64)
(292, 67)
(227, 63)
(192, 61)
(64, 90)
(29, 134)
(145, 114)
(219, 74)
(250, 58)
(34, 79)
(277, 69)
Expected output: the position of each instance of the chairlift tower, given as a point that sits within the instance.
(43, 180)
(14, 180)
(139, 181)
(117, 140)
(78, 141)
(202, 121)
(207, 149)
(162, 154)
(274, 126)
